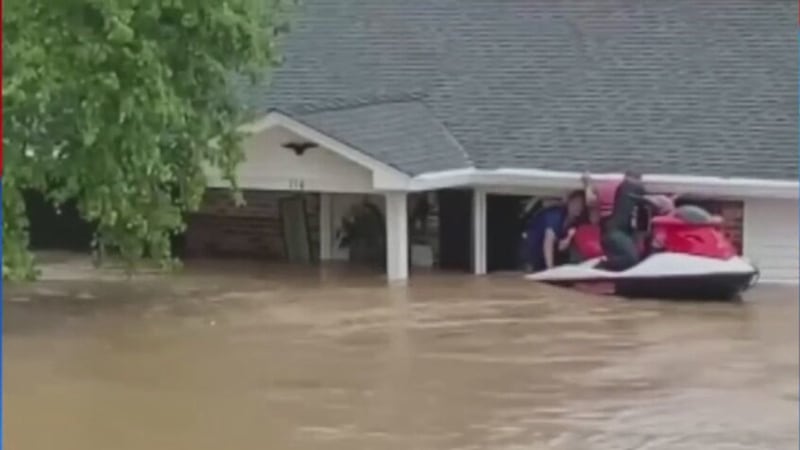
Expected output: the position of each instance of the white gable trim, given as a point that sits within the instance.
(533, 178)
(388, 178)
(385, 177)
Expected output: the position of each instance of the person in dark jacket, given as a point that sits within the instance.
(618, 231)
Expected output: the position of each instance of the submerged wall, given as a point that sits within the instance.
(222, 229)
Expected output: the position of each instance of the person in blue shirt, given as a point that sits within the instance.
(548, 232)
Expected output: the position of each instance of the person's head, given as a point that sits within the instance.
(633, 176)
(576, 203)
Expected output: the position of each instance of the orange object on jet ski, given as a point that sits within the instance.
(606, 193)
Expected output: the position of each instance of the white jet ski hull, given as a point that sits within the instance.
(662, 275)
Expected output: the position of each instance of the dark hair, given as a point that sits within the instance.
(581, 195)
(576, 194)
(635, 174)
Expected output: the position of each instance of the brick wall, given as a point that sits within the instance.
(220, 228)
(733, 215)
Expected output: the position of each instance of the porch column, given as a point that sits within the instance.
(479, 232)
(396, 236)
(325, 226)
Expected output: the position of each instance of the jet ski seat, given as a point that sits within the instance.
(678, 235)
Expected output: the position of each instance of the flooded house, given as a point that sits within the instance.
(405, 134)
(472, 107)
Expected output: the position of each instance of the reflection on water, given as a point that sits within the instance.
(242, 357)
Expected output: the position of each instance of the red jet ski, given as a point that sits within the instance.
(693, 260)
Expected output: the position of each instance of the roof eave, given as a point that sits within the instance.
(549, 179)
(385, 177)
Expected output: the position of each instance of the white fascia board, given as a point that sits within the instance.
(443, 180)
(534, 178)
(385, 177)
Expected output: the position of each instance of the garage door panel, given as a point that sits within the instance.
(771, 238)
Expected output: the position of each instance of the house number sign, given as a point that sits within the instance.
(296, 184)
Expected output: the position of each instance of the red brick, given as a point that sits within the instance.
(253, 230)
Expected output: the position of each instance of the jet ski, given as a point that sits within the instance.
(694, 261)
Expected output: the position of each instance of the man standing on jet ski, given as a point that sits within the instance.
(617, 202)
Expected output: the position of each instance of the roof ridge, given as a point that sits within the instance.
(341, 103)
(403, 134)
(410, 100)
(449, 134)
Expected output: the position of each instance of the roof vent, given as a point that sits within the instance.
(299, 147)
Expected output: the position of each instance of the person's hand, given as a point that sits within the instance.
(662, 203)
(564, 243)
(586, 178)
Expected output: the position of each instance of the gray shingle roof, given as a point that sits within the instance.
(404, 135)
(700, 87)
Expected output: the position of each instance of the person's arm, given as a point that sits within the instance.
(549, 248)
(639, 194)
(588, 189)
(564, 244)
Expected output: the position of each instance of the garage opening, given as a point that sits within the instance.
(506, 215)
(505, 220)
(455, 229)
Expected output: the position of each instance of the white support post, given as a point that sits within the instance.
(479, 232)
(325, 226)
(397, 236)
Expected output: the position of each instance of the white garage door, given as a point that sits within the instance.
(771, 238)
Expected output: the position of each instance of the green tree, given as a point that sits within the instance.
(121, 105)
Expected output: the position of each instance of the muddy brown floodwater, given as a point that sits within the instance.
(242, 356)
